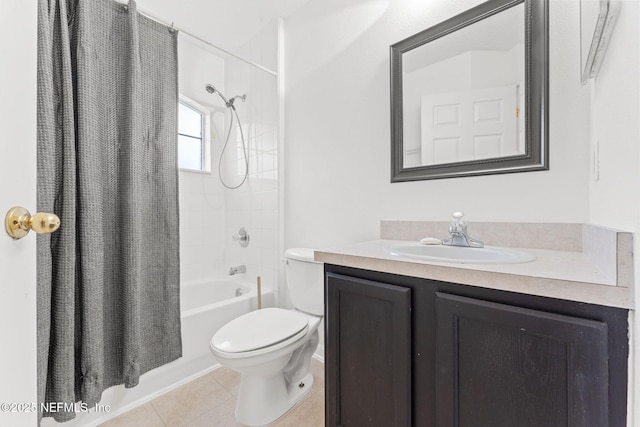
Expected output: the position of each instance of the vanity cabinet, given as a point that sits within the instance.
(373, 363)
(502, 365)
(405, 351)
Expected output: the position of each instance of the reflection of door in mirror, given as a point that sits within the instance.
(470, 125)
(462, 94)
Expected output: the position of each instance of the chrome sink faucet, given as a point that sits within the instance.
(458, 232)
(238, 269)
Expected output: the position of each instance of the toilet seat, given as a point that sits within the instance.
(259, 332)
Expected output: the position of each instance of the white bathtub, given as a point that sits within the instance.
(206, 307)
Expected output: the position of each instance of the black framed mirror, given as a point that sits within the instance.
(469, 96)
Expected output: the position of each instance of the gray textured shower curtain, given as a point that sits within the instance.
(108, 279)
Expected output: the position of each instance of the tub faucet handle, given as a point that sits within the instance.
(242, 237)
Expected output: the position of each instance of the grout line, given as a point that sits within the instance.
(157, 413)
(233, 395)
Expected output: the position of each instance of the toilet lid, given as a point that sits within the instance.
(259, 329)
(300, 254)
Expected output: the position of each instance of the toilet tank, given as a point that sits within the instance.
(305, 280)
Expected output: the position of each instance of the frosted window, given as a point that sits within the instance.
(190, 141)
(189, 153)
(190, 121)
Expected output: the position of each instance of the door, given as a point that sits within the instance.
(502, 365)
(368, 353)
(469, 125)
(18, 20)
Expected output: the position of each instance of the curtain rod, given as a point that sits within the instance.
(201, 40)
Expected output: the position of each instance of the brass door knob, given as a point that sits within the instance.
(19, 221)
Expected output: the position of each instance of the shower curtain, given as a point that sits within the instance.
(108, 279)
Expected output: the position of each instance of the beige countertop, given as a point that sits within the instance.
(562, 274)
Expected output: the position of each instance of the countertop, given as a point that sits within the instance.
(568, 275)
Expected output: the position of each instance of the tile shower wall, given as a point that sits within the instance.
(202, 213)
(210, 213)
(255, 204)
(201, 227)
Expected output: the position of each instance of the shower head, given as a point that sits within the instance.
(211, 89)
(229, 102)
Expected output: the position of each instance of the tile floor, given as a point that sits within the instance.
(210, 401)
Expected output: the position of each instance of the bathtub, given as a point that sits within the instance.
(205, 308)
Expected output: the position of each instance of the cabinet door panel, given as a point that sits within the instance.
(501, 365)
(368, 353)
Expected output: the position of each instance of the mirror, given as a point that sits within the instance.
(469, 96)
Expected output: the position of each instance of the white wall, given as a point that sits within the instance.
(337, 128)
(616, 125)
(614, 200)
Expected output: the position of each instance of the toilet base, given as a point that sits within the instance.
(262, 400)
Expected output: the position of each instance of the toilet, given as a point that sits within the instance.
(272, 347)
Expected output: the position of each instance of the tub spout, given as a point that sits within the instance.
(238, 269)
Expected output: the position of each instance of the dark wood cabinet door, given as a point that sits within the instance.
(368, 353)
(501, 365)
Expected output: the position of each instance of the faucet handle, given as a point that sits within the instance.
(457, 220)
(242, 237)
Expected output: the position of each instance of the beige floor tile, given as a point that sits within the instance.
(317, 370)
(316, 366)
(191, 401)
(229, 379)
(142, 416)
(209, 401)
(220, 416)
(308, 413)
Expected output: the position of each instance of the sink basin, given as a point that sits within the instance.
(458, 254)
